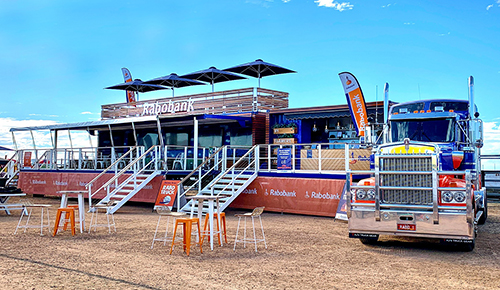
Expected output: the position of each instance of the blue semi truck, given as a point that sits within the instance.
(425, 176)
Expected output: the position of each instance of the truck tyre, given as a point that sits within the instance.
(484, 216)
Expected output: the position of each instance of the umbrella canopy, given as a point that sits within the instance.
(5, 149)
(213, 75)
(259, 69)
(173, 81)
(136, 85)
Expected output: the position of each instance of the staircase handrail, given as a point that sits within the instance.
(232, 181)
(181, 191)
(44, 156)
(201, 165)
(117, 175)
(111, 166)
(6, 167)
(231, 169)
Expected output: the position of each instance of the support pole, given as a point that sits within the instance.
(195, 153)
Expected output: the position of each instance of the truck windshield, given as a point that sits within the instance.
(433, 130)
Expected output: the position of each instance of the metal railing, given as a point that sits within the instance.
(210, 168)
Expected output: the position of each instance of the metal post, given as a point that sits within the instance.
(195, 153)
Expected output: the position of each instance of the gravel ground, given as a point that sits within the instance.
(303, 252)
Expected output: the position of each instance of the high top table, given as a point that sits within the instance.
(211, 200)
(81, 204)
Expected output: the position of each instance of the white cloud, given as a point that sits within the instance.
(286, 1)
(489, 6)
(86, 113)
(42, 138)
(334, 4)
(444, 34)
(409, 23)
(388, 5)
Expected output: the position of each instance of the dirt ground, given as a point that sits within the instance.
(303, 252)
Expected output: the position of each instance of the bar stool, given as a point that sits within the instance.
(186, 223)
(77, 220)
(206, 233)
(28, 209)
(69, 213)
(255, 213)
(93, 218)
(165, 211)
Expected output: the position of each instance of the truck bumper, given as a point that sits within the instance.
(452, 225)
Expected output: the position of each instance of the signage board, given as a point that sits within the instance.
(167, 193)
(285, 159)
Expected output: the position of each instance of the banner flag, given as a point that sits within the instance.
(355, 100)
(342, 206)
(128, 78)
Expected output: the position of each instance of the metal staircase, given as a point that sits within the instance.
(10, 171)
(225, 174)
(119, 188)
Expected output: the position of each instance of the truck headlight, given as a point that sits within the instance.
(459, 196)
(447, 196)
(361, 194)
(370, 194)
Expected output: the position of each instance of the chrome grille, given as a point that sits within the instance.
(406, 163)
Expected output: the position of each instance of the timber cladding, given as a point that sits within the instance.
(223, 102)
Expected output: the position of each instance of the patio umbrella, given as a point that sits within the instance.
(173, 81)
(213, 75)
(259, 69)
(5, 149)
(138, 86)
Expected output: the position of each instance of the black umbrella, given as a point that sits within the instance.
(173, 81)
(136, 85)
(213, 75)
(259, 69)
(5, 149)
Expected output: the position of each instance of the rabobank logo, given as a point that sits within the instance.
(319, 195)
(34, 181)
(250, 191)
(348, 82)
(283, 193)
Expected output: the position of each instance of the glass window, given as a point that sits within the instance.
(181, 139)
(433, 130)
(242, 137)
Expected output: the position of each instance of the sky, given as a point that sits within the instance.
(56, 57)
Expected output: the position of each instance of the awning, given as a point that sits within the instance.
(326, 114)
(141, 122)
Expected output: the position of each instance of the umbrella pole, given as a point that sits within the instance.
(172, 92)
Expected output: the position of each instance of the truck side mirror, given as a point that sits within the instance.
(478, 143)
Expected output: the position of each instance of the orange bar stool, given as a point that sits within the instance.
(69, 214)
(67, 219)
(187, 224)
(206, 232)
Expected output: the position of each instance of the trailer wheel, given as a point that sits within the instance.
(484, 216)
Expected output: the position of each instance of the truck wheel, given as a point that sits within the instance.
(484, 216)
(368, 241)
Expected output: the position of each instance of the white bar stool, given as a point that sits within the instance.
(28, 209)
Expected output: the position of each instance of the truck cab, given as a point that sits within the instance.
(425, 176)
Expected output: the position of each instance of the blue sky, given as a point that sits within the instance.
(57, 56)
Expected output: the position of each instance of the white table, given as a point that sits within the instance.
(81, 204)
(211, 200)
(4, 198)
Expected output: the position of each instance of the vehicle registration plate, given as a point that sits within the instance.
(407, 227)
